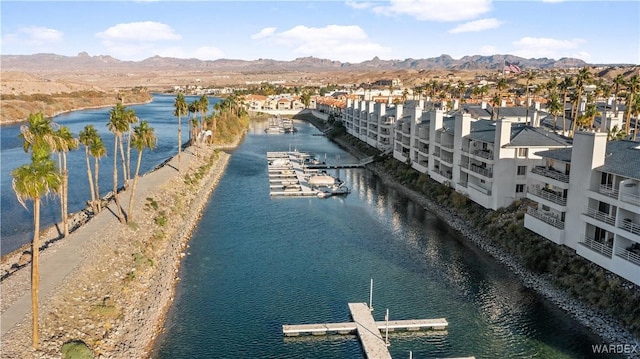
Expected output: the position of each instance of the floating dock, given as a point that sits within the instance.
(367, 329)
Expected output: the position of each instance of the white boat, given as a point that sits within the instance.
(280, 162)
(323, 180)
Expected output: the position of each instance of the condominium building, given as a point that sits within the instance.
(588, 198)
(587, 191)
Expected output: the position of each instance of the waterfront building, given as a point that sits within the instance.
(588, 199)
(587, 191)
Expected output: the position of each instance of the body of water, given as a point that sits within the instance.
(256, 263)
(17, 222)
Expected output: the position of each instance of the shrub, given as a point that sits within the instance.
(76, 349)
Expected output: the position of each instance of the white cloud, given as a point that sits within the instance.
(40, 35)
(139, 31)
(436, 10)
(553, 1)
(337, 42)
(477, 25)
(535, 47)
(266, 32)
(360, 4)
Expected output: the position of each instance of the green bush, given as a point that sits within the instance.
(76, 349)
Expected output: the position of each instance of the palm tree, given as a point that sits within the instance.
(462, 88)
(495, 105)
(143, 137)
(530, 77)
(32, 182)
(633, 87)
(635, 109)
(193, 109)
(64, 142)
(203, 108)
(501, 86)
(582, 78)
(555, 108)
(615, 134)
(131, 118)
(97, 151)
(118, 125)
(565, 85)
(181, 109)
(591, 111)
(618, 81)
(87, 137)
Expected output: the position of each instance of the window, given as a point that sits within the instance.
(522, 152)
(522, 170)
(519, 188)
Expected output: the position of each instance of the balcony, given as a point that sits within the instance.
(447, 145)
(608, 191)
(630, 226)
(481, 170)
(630, 198)
(483, 153)
(601, 216)
(447, 158)
(547, 194)
(548, 218)
(597, 246)
(479, 189)
(632, 255)
(551, 173)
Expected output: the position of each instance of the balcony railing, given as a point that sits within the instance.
(447, 145)
(483, 171)
(549, 218)
(479, 189)
(628, 255)
(448, 159)
(484, 154)
(630, 198)
(544, 171)
(597, 246)
(547, 194)
(608, 190)
(601, 216)
(630, 226)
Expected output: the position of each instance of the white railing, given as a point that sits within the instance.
(479, 189)
(447, 145)
(608, 190)
(546, 217)
(483, 171)
(544, 171)
(601, 216)
(448, 159)
(630, 227)
(484, 154)
(597, 246)
(628, 255)
(548, 195)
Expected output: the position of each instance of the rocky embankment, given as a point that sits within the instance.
(115, 300)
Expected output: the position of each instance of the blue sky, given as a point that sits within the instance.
(347, 31)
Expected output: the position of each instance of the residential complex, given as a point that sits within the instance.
(587, 190)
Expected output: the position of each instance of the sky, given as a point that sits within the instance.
(598, 32)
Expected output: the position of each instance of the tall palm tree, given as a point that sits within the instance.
(64, 142)
(97, 151)
(193, 109)
(583, 78)
(501, 86)
(143, 137)
(633, 87)
(32, 182)
(555, 107)
(181, 109)
(462, 88)
(118, 125)
(617, 82)
(132, 119)
(495, 104)
(565, 85)
(615, 134)
(87, 137)
(530, 77)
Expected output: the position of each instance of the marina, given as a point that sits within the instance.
(299, 174)
(280, 125)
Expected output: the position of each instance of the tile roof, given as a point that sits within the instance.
(521, 135)
(622, 158)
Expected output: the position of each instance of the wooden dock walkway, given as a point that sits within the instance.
(368, 330)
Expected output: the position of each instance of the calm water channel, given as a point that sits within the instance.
(257, 262)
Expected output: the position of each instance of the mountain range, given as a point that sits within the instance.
(105, 63)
